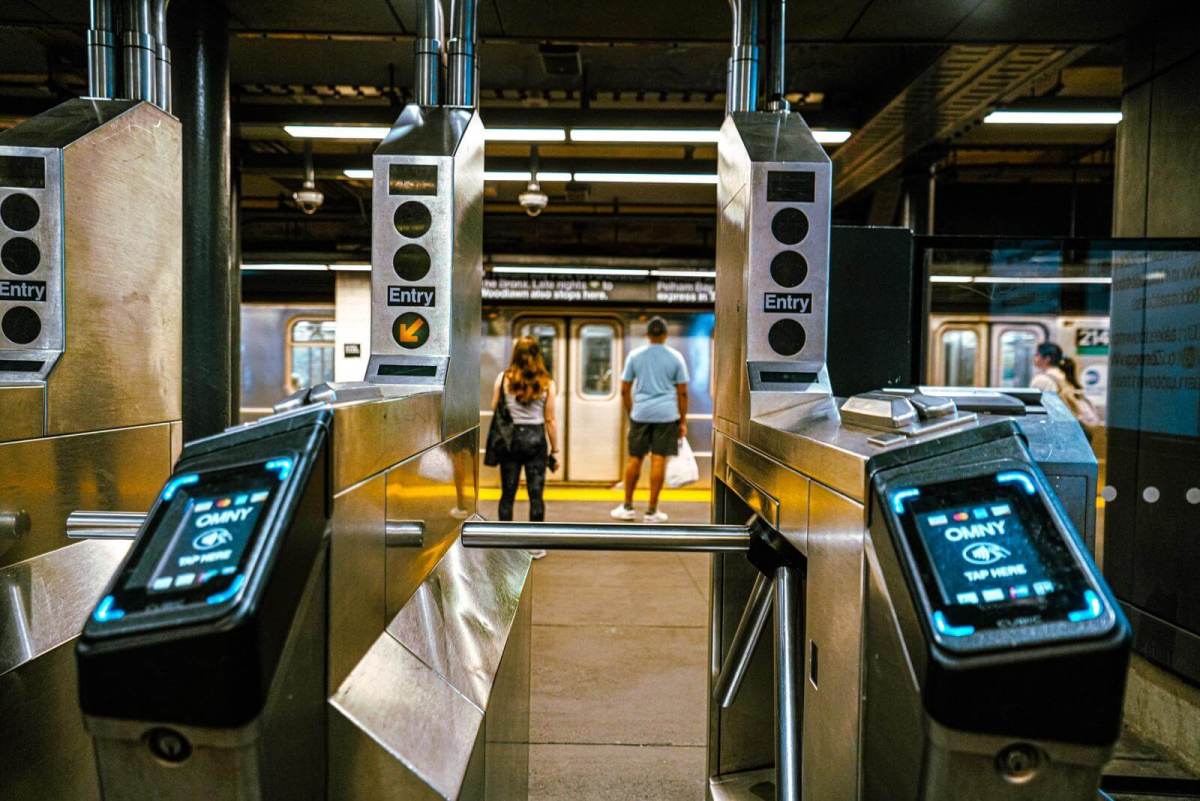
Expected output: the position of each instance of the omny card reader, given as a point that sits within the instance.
(209, 638)
(989, 629)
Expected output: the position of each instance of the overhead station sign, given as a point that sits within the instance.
(558, 290)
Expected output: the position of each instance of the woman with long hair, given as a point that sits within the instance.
(1056, 373)
(527, 391)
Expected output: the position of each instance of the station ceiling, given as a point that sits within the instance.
(659, 63)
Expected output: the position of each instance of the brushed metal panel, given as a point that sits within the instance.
(47, 753)
(750, 785)
(372, 436)
(834, 625)
(398, 730)
(451, 141)
(436, 487)
(506, 720)
(356, 575)
(122, 185)
(22, 412)
(45, 600)
(118, 470)
(43, 604)
(458, 620)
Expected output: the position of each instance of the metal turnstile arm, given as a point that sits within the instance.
(745, 638)
(606, 537)
(104, 525)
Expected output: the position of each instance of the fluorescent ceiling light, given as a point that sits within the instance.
(684, 273)
(1019, 279)
(282, 266)
(351, 266)
(830, 137)
(524, 134)
(337, 131)
(645, 178)
(364, 175)
(497, 175)
(684, 136)
(687, 136)
(538, 270)
(1011, 117)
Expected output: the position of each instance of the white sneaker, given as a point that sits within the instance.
(656, 517)
(622, 512)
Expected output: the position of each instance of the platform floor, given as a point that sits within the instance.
(617, 707)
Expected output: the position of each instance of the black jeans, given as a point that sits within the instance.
(529, 450)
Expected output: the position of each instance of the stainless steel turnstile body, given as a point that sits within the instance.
(90, 355)
(422, 647)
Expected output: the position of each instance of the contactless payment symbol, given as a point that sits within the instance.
(410, 330)
(985, 553)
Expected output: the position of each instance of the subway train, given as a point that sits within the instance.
(287, 347)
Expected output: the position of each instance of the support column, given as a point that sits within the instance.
(200, 41)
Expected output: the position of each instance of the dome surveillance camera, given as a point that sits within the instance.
(533, 199)
(308, 198)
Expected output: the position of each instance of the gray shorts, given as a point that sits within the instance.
(661, 439)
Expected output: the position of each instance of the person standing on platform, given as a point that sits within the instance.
(654, 394)
(527, 390)
(1056, 373)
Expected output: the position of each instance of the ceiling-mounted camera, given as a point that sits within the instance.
(533, 199)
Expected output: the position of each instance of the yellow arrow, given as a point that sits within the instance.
(408, 333)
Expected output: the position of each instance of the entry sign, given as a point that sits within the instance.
(787, 302)
(410, 330)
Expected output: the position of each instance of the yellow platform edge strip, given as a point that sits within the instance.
(702, 495)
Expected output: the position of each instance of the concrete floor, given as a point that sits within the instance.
(618, 684)
(617, 707)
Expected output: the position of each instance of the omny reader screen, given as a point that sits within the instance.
(991, 555)
(196, 550)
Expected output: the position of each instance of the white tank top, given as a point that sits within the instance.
(531, 414)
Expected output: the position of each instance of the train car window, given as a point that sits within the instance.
(1017, 347)
(596, 365)
(546, 334)
(310, 352)
(960, 354)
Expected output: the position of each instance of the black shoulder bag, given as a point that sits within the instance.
(500, 433)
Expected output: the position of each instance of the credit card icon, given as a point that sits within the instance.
(993, 595)
(967, 598)
(938, 520)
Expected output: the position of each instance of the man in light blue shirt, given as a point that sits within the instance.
(654, 393)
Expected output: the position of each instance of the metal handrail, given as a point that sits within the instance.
(607, 536)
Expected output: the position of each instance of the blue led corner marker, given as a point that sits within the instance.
(179, 481)
(1017, 477)
(898, 499)
(106, 612)
(1095, 607)
(225, 595)
(943, 626)
(282, 466)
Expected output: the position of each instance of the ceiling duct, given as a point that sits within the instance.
(138, 51)
(462, 72)
(560, 59)
(162, 76)
(953, 93)
(427, 52)
(741, 90)
(777, 41)
(101, 50)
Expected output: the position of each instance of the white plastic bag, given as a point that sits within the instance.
(682, 468)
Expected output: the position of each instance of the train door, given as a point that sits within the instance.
(593, 434)
(1013, 346)
(959, 354)
(551, 335)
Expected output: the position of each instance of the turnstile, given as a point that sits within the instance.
(306, 568)
(90, 360)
